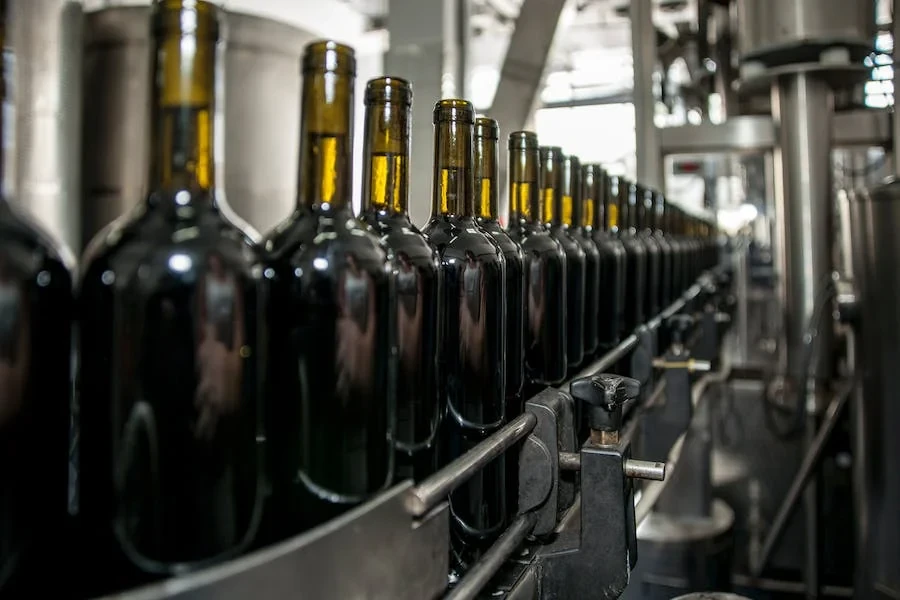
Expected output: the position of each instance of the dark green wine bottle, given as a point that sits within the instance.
(170, 311)
(331, 407)
(416, 267)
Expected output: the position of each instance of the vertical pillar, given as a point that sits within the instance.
(428, 43)
(643, 48)
(802, 106)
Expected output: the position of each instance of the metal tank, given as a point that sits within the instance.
(257, 116)
(46, 39)
(876, 412)
(769, 27)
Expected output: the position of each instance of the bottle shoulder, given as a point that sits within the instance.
(147, 237)
(18, 228)
(454, 236)
(571, 247)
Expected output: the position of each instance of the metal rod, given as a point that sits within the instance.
(643, 47)
(482, 572)
(643, 469)
(569, 461)
(809, 464)
(612, 357)
(790, 587)
(435, 488)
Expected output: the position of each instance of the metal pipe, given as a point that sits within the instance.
(895, 29)
(807, 467)
(652, 491)
(482, 572)
(643, 48)
(644, 469)
(435, 488)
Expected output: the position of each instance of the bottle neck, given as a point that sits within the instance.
(182, 113)
(524, 192)
(386, 148)
(487, 166)
(326, 134)
(452, 193)
(551, 192)
(612, 204)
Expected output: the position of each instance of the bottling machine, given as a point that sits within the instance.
(742, 439)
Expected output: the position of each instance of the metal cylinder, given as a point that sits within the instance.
(47, 41)
(802, 109)
(768, 27)
(257, 116)
(876, 414)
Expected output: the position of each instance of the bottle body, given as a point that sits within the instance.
(591, 292)
(545, 307)
(419, 292)
(170, 329)
(653, 274)
(611, 305)
(473, 377)
(331, 413)
(36, 308)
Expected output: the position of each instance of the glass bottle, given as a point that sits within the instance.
(666, 252)
(171, 309)
(331, 407)
(643, 208)
(36, 310)
(416, 267)
(635, 255)
(557, 214)
(573, 189)
(473, 355)
(545, 268)
(487, 207)
(611, 304)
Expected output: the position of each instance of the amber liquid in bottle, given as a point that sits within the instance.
(474, 379)
(171, 310)
(635, 258)
(36, 308)
(330, 413)
(643, 209)
(416, 268)
(545, 268)
(611, 305)
(573, 188)
(487, 208)
(557, 214)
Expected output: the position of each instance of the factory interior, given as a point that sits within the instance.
(460, 299)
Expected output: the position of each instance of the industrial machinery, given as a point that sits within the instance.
(742, 440)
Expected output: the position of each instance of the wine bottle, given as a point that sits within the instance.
(635, 255)
(473, 355)
(643, 207)
(545, 268)
(558, 215)
(611, 305)
(666, 259)
(36, 308)
(573, 188)
(487, 208)
(170, 314)
(331, 409)
(416, 268)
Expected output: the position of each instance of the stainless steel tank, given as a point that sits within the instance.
(257, 117)
(875, 215)
(46, 38)
(768, 26)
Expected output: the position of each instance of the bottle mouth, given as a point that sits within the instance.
(553, 153)
(486, 128)
(523, 140)
(454, 109)
(389, 90)
(329, 56)
(186, 18)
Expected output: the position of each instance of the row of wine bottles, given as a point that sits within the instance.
(232, 392)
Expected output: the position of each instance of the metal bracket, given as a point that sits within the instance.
(539, 461)
(642, 357)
